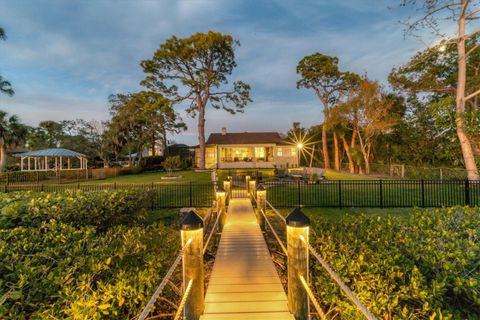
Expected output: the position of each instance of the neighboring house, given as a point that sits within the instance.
(248, 150)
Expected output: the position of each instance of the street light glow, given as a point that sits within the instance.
(300, 145)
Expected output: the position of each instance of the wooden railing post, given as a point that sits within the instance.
(247, 184)
(297, 249)
(221, 207)
(192, 231)
(252, 188)
(261, 205)
(227, 186)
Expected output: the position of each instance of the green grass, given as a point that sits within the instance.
(334, 175)
(149, 177)
(334, 214)
(367, 194)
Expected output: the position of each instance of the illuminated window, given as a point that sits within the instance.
(279, 152)
(294, 152)
(259, 152)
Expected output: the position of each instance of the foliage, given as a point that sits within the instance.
(172, 163)
(101, 209)
(12, 134)
(63, 263)
(421, 267)
(141, 119)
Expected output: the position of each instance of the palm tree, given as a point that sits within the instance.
(12, 133)
(6, 87)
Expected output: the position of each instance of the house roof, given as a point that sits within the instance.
(54, 152)
(247, 138)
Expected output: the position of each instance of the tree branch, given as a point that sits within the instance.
(470, 96)
(469, 52)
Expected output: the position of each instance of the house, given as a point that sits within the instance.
(240, 150)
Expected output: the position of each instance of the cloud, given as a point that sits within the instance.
(65, 57)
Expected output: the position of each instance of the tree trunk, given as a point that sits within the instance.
(354, 138)
(337, 151)
(351, 165)
(3, 157)
(326, 158)
(153, 145)
(201, 135)
(465, 144)
(165, 143)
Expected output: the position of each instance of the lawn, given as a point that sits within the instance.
(334, 214)
(334, 175)
(187, 176)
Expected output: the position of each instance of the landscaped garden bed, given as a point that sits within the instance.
(81, 255)
(424, 265)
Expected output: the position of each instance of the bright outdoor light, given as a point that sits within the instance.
(300, 145)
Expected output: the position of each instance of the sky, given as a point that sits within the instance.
(64, 58)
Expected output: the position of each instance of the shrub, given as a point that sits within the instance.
(57, 271)
(102, 209)
(423, 267)
(79, 255)
(172, 163)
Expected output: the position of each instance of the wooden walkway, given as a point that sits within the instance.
(244, 283)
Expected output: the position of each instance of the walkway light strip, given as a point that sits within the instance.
(339, 281)
(212, 231)
(184, 299)
(164, 282)
(312, 298)
(275, 234)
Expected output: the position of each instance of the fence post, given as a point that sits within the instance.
(381, 194)
(467, 192)
(247, 183)
(339, 193)
(192, 228)
(297, 249)
(261, 205)
(190, 193)
(423, 193)
(299, 200)
(38, 177)
(221, 209)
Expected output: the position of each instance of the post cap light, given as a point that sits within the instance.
(261, 187)
(192, 221)
(297, 219)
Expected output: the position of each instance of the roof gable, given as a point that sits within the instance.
(246, 138)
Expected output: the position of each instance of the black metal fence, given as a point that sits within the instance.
(374, 193)
(161, 195)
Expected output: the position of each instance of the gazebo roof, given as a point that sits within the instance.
(53, 152)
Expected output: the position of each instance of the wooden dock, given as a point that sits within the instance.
(244, 283)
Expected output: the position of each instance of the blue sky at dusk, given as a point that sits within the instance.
(65, 57)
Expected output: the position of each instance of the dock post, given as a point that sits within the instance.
(252, 187)
(221, 210)
(227, 186)
(297, 249)
(192, 237)
(261, 205)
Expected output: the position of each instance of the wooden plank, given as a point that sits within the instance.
(244, 283)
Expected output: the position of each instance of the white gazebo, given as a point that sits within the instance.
(55, 159)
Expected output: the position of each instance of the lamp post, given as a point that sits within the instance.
(299, 150)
